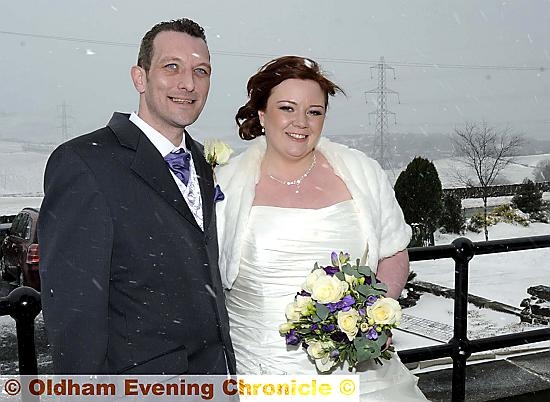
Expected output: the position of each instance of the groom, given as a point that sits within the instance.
(129, 271)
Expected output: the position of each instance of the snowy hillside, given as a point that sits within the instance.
(21, 171)
(523, 167)
(21, 174)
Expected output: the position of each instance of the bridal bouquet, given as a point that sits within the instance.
(341, 315)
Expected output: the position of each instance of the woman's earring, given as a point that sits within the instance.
(263, 130)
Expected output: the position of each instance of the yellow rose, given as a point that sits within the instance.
(385, 311)
(347, 322)
(217, 152)
(328, 289)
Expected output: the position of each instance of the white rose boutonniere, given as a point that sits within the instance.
(217, 153)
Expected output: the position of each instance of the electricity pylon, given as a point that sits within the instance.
(382, 111)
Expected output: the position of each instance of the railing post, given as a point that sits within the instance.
(464, 251)
(23, 304)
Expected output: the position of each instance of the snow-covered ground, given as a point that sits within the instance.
(21, 172)
(502, 277)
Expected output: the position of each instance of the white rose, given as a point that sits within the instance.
(328, 289)
(312, 278)
(217, 152)
(291, 312)
(385, 311)
(320, 352)
(285, 328)
(303, 304)
(347, 322)
(315, 349)
(324, 364)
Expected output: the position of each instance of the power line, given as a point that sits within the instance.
(325, 59)
(69, 39)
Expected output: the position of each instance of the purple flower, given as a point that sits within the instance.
(361, 311)
(334, 258)
(335, 353)
(347, 301)
(314, 327)
(292, 338)
(372, 334)
(371, 300)
(331, 270)
(339, 337)
(328, 328)
(218, 194)
(345, 304)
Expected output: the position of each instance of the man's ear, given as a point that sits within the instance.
(139, 78)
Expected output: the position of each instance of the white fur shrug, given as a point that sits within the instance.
(387, 232)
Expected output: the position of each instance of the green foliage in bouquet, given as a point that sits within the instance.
(341, 315)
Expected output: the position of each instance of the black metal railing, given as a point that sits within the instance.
(23, 304)
(460, 348)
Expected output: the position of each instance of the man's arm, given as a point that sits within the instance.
(75, 234)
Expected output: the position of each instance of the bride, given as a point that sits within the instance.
(291, 199)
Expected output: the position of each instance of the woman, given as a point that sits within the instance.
(291, 198)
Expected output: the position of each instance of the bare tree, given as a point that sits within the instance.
(485, 151)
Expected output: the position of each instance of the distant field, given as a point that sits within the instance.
(22, 171)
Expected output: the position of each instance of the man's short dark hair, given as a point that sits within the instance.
(184, 25)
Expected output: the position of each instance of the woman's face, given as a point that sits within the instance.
(294, 117)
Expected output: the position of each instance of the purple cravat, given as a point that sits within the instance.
(179, 162)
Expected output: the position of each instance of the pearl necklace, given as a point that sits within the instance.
(297, 182)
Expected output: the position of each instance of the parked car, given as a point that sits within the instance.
(20, 254)
(4, 227)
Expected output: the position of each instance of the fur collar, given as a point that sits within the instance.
(382, 218)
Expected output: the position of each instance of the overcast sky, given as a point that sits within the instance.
(454, 61)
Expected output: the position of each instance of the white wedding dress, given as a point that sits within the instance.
(278, 252)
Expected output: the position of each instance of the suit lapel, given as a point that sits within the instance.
(149, 164)
(206, 182)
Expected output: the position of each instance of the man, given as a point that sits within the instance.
(129, 271)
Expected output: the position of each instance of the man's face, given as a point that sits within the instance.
(174, 91)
